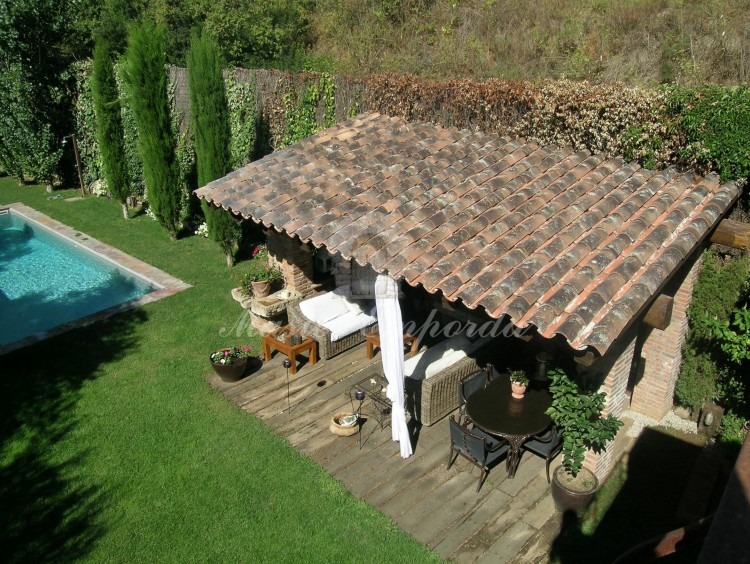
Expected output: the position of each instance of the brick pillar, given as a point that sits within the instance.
(614, 369)
(342, 272)
(293, 258)
(662, 350)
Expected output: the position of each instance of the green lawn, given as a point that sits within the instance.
(115, 449)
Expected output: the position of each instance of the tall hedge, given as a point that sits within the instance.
(210, 120)
(109, 130)
(146, 84)
(35, 87)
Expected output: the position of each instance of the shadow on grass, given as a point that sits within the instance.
(50, 510)
(658, 473)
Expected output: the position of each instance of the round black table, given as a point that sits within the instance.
(496, 412)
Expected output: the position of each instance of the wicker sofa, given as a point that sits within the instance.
(329, 343)
(431, 395)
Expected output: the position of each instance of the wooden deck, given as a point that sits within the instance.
(507, 521)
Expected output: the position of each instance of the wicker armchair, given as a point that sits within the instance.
(432, 399)
(326, 347)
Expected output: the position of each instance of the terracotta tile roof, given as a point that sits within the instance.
(571, 243)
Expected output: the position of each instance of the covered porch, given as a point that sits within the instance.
(509, 520)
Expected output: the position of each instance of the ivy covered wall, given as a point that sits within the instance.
(701, 129)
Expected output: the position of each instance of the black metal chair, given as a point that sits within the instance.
(547, 445)
(477, 447)
(466, 388)
(492, 373)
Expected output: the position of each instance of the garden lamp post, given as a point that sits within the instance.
(78, 160)
(287, 364)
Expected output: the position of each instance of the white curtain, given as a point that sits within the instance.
(391, 329)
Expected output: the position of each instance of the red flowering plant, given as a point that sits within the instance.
(259, 269)
(231, 356)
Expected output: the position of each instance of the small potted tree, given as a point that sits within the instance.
(518, 383)
(578, 417)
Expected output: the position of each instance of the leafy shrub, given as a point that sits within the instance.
(35, 88)
(734, 337)
(577, 413)
(732, 429)
(704, 375)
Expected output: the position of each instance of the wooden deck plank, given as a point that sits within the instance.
(439, 507)
(450, 502)
(488, 509)
(509, 545)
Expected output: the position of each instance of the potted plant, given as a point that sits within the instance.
(578, 417)
(230, 363)
(261, 274)
(518, 383)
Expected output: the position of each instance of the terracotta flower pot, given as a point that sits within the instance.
(517, 390)
(261, 289)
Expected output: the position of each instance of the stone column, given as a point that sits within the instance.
(614, 367)
(662, 350)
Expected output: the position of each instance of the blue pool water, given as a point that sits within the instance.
(47, 280)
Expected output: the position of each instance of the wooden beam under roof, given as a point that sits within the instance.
(659, 314)
(733, 234)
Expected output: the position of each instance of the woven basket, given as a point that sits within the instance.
(340, 431)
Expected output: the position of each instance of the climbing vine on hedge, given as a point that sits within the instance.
(135, 165)
(242, 102)
(85, 123)
(301, 113)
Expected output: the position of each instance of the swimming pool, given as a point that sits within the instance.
(52, 277)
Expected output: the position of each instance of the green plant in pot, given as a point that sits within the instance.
(518, 383)
(577, 414)
(260, 276)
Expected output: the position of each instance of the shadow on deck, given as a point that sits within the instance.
(507, 521)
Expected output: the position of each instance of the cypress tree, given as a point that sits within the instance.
(146, 86)
(210, 119)
(109, 131)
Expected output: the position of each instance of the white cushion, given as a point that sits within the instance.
(353, 307)
(436, 359)
(449, 358)
(347, 324)
(323, 308)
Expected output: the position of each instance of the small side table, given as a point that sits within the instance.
(284, 340)
(374, 387)
(372, 341)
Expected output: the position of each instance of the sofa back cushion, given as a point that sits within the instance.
(438, 358)
(324, 307)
